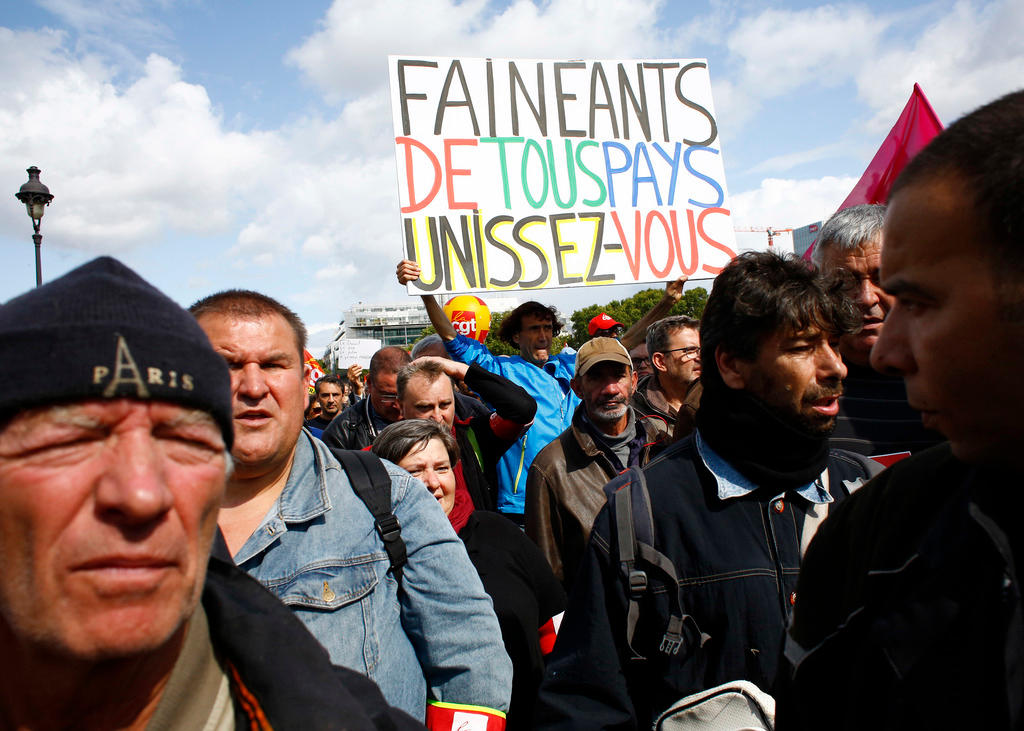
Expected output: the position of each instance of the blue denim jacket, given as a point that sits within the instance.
(317, 550)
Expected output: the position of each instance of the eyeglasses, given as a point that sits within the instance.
(387, 396)
(687, 351)
(640, 362)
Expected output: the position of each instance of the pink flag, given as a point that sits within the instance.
(915, 128)
(912, 131)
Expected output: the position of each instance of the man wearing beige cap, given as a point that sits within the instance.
(564, 488)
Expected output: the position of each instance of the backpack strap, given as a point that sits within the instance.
(372, 484)
(634, 527)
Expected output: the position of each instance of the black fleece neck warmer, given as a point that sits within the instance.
(763, 447)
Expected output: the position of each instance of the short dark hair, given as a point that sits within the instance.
(397, 440)
(429, 369)
(329, 379)
(658, 333)
(984, 150)
(848, 229)
(390, 359)
(247, 304)
(512, 325)
(759, 293)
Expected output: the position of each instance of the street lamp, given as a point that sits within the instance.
(36, 197)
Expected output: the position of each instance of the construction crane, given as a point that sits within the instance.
(770, 230)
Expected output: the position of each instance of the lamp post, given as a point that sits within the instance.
(36, 197)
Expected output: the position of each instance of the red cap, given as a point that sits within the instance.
(601, 322)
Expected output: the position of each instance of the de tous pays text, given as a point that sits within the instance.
(590, 170)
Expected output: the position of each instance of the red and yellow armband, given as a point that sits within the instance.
(462, 717)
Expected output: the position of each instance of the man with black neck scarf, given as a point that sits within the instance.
(564, 490)
(733, 507)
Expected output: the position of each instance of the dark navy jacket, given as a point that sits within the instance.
(736, 561)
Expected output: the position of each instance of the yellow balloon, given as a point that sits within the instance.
(470, 316)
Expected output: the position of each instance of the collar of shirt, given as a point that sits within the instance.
(731, 483)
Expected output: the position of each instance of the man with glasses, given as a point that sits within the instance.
(357, 426)
(641, 360)
(674, 345)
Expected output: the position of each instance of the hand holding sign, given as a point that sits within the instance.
(355, 377)
(407, 271)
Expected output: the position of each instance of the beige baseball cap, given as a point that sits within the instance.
(598, 350)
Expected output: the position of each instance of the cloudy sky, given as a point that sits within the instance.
(248, 143)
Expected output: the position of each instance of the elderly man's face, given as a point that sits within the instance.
(107, 513)
(862, 264)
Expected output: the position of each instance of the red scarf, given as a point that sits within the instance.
(463, 507)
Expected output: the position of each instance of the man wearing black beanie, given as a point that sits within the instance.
(115, 426)
(733, 506)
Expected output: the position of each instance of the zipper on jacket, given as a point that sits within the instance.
(519, 471)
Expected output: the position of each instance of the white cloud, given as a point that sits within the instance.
(779, 51)
(962, 59)
(790, 203)
(347, 55)
(128, 165)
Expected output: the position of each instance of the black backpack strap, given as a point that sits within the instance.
(372, 484)
(634, 527)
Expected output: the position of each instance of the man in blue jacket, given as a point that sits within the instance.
(292, 520)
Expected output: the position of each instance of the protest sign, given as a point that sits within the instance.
(533, 174)
(347, 351)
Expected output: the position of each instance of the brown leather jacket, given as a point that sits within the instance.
(564, 491)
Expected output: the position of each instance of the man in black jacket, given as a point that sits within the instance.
(356, 426)
(874, 416)
(910, 601)
(732, 506)
(426, 391)
(113, 461)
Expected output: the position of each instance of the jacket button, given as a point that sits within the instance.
(792, 598)
(778, 506)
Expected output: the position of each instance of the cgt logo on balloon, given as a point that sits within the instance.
(470, 316)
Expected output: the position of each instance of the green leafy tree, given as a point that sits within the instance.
(631, 309)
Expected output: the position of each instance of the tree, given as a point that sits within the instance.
(631, 309)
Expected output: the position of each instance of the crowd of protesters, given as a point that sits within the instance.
(804, 499)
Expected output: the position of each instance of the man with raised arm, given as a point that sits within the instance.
(531, 327)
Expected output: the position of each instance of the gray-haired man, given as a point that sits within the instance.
(874, 417)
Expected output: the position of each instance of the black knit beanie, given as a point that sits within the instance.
(101, 331)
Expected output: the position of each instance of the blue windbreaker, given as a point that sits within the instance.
(549, 386)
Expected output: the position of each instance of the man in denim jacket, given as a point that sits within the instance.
(292, 520)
